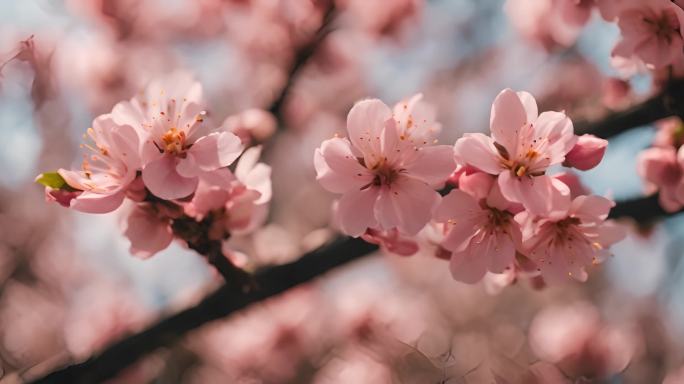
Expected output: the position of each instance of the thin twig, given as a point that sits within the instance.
(669, 102)
(304, 54)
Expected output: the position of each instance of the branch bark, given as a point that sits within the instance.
(223, 302)
(669, 102)
(302, 57)
(643, 210)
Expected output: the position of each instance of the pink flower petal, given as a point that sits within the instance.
(163, 180)
(365, 123)
(470, 265)
(407, 205)
(432, 164)
(457, 205)
(501, 252)
(147, 233)
(508, 115)
(591, 209)
(216, 150)
(479, 151)
(337, 169)
(355, 211)
(90, 202)
(534, 193)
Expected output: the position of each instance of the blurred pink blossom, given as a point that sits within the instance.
(661, 169)
(576, 339)
(549, 22)
(251, 125)
(651, 31)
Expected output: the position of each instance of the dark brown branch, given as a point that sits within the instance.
(221, 303)
(302, 57)
(643, 210)
(669, 102)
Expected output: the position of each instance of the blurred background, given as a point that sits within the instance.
(69, 287)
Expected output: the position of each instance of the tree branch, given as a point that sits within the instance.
(268, 282)
(302, 57)
(669, 102)
(643, 210)
(223, 302)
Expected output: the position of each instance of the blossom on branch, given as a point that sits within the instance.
(386, 180)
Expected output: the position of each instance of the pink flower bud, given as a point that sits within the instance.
(587, 153)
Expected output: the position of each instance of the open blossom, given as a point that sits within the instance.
(564, 244)
(178, 147)
(106, 172)
(480, 230)
(651, 31)
(385, 180)
(239, 207)
(576, 339)
(523, 145)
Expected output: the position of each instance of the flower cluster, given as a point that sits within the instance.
(505, 212)
(651, 33)
(159, 151)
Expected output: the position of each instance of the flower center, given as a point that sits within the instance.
(664, 27)
(384, 175)
(498, 218)
(173, 141)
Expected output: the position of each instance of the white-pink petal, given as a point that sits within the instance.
(478, 150)
(164, 181)
(355, 211)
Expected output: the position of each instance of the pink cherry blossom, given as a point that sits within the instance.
(575, 338)
(661, 169)
(386, 182)
(524, 144)
(108, 170)
(565, 244)
(549, 22)
(178, 147)
(241, 205)
(480, 230)
(251, 125)
(651, 31)
(587, 153)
